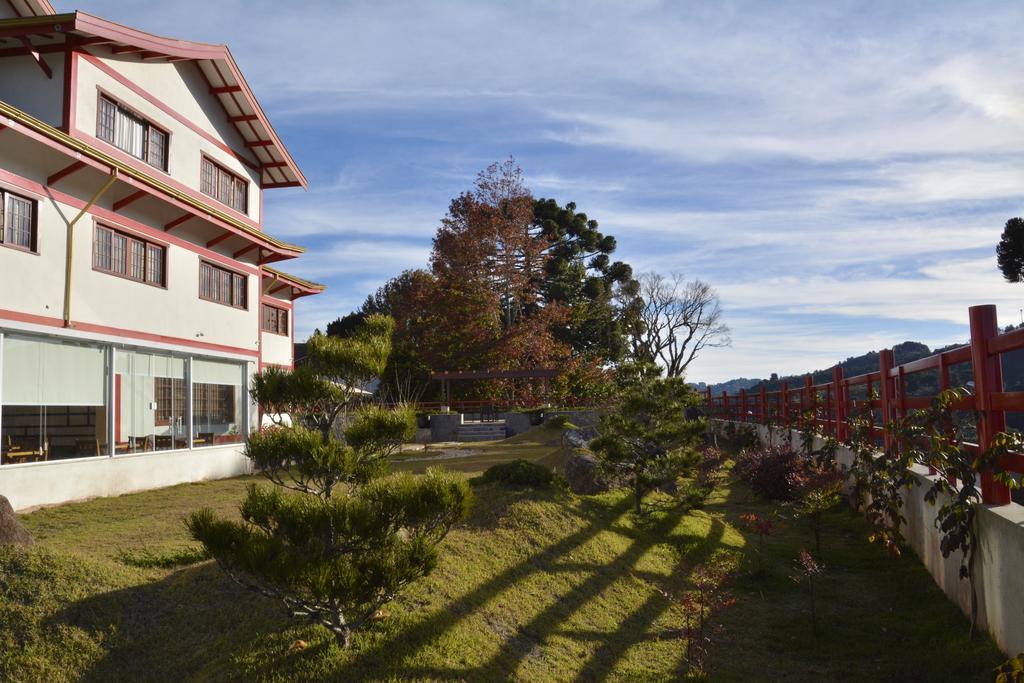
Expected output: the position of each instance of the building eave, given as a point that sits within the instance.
(215, 62)
(298, 286)
(21, 122)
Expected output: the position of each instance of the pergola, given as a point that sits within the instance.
(446, 377)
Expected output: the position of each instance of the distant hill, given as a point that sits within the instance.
(919, 384)
(732, 386)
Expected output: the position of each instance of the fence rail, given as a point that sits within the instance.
(829, 405)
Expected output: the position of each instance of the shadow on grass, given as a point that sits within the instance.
(174, 628)
(203, 625)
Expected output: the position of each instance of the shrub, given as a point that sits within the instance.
(776, 473)
(520, 473)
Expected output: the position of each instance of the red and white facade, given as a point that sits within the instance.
(137, 291)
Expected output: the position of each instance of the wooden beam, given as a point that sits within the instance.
(225, 89)
(274, 164)
(125, 201)
(279, 288)
(65, 172)
(259, 143)
(244, 117)
(220, 238)
(271, 186)
(125, 49)
(37, 57)
(176, 222)
(244, 250)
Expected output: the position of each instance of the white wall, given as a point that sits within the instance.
(31, 485)
(999, 562)
(181, 87)
(277, 349)
(24, 85)
(34, 284)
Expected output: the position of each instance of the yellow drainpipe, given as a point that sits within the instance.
(71, 244)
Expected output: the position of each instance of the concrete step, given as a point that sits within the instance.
(481, 431)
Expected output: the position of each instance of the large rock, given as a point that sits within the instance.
(11, 530)
(582, 475)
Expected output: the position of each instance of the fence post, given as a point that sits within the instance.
(810, 400)
(725, 405)
(885, 363)
(743, 405)
(785, 402)
(764, 404)
(988, 379)
(839, 402)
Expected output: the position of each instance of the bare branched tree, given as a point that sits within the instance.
(676, 321)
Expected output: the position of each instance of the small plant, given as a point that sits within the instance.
(709, 594)
(775, 473)
(819, 494)
(762, 526)
(559, 422)
(807, 569)
(735, 438)
(520, 473)
(144, 558)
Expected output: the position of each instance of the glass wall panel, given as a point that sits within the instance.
(151, 402)
(217, 402)
(54, 400)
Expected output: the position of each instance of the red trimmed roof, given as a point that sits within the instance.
(32, 8)
(215, 62)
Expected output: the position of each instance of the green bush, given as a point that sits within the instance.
(520, 473)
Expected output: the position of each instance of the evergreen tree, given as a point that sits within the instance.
(647, 440)
(337, 537)
(1010, 252)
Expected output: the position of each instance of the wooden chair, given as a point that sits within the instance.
(163, 442)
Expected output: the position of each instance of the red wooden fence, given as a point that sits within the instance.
(831, 404)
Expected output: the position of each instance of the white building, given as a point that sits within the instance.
(136, 295)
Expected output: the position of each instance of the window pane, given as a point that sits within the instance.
(225, 288)
(217, 405)
(18, 220)
(239, 198)
(208, 182)
(239, 293)
(224, 186)
(283, 322)
(157, 148)
(138, 251)
(119, 256)
(54, 400)
(105, 120)
(155, 264)
(101, 250)
(151, 402)
(131, 133)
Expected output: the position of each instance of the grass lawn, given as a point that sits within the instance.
(535, 586)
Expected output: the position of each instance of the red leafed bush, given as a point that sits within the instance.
(776, 473)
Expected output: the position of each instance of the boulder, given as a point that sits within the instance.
(582, 475)
(11, 530)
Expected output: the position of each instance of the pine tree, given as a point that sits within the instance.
(337, 537)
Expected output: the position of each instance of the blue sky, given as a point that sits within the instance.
(840, 172)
